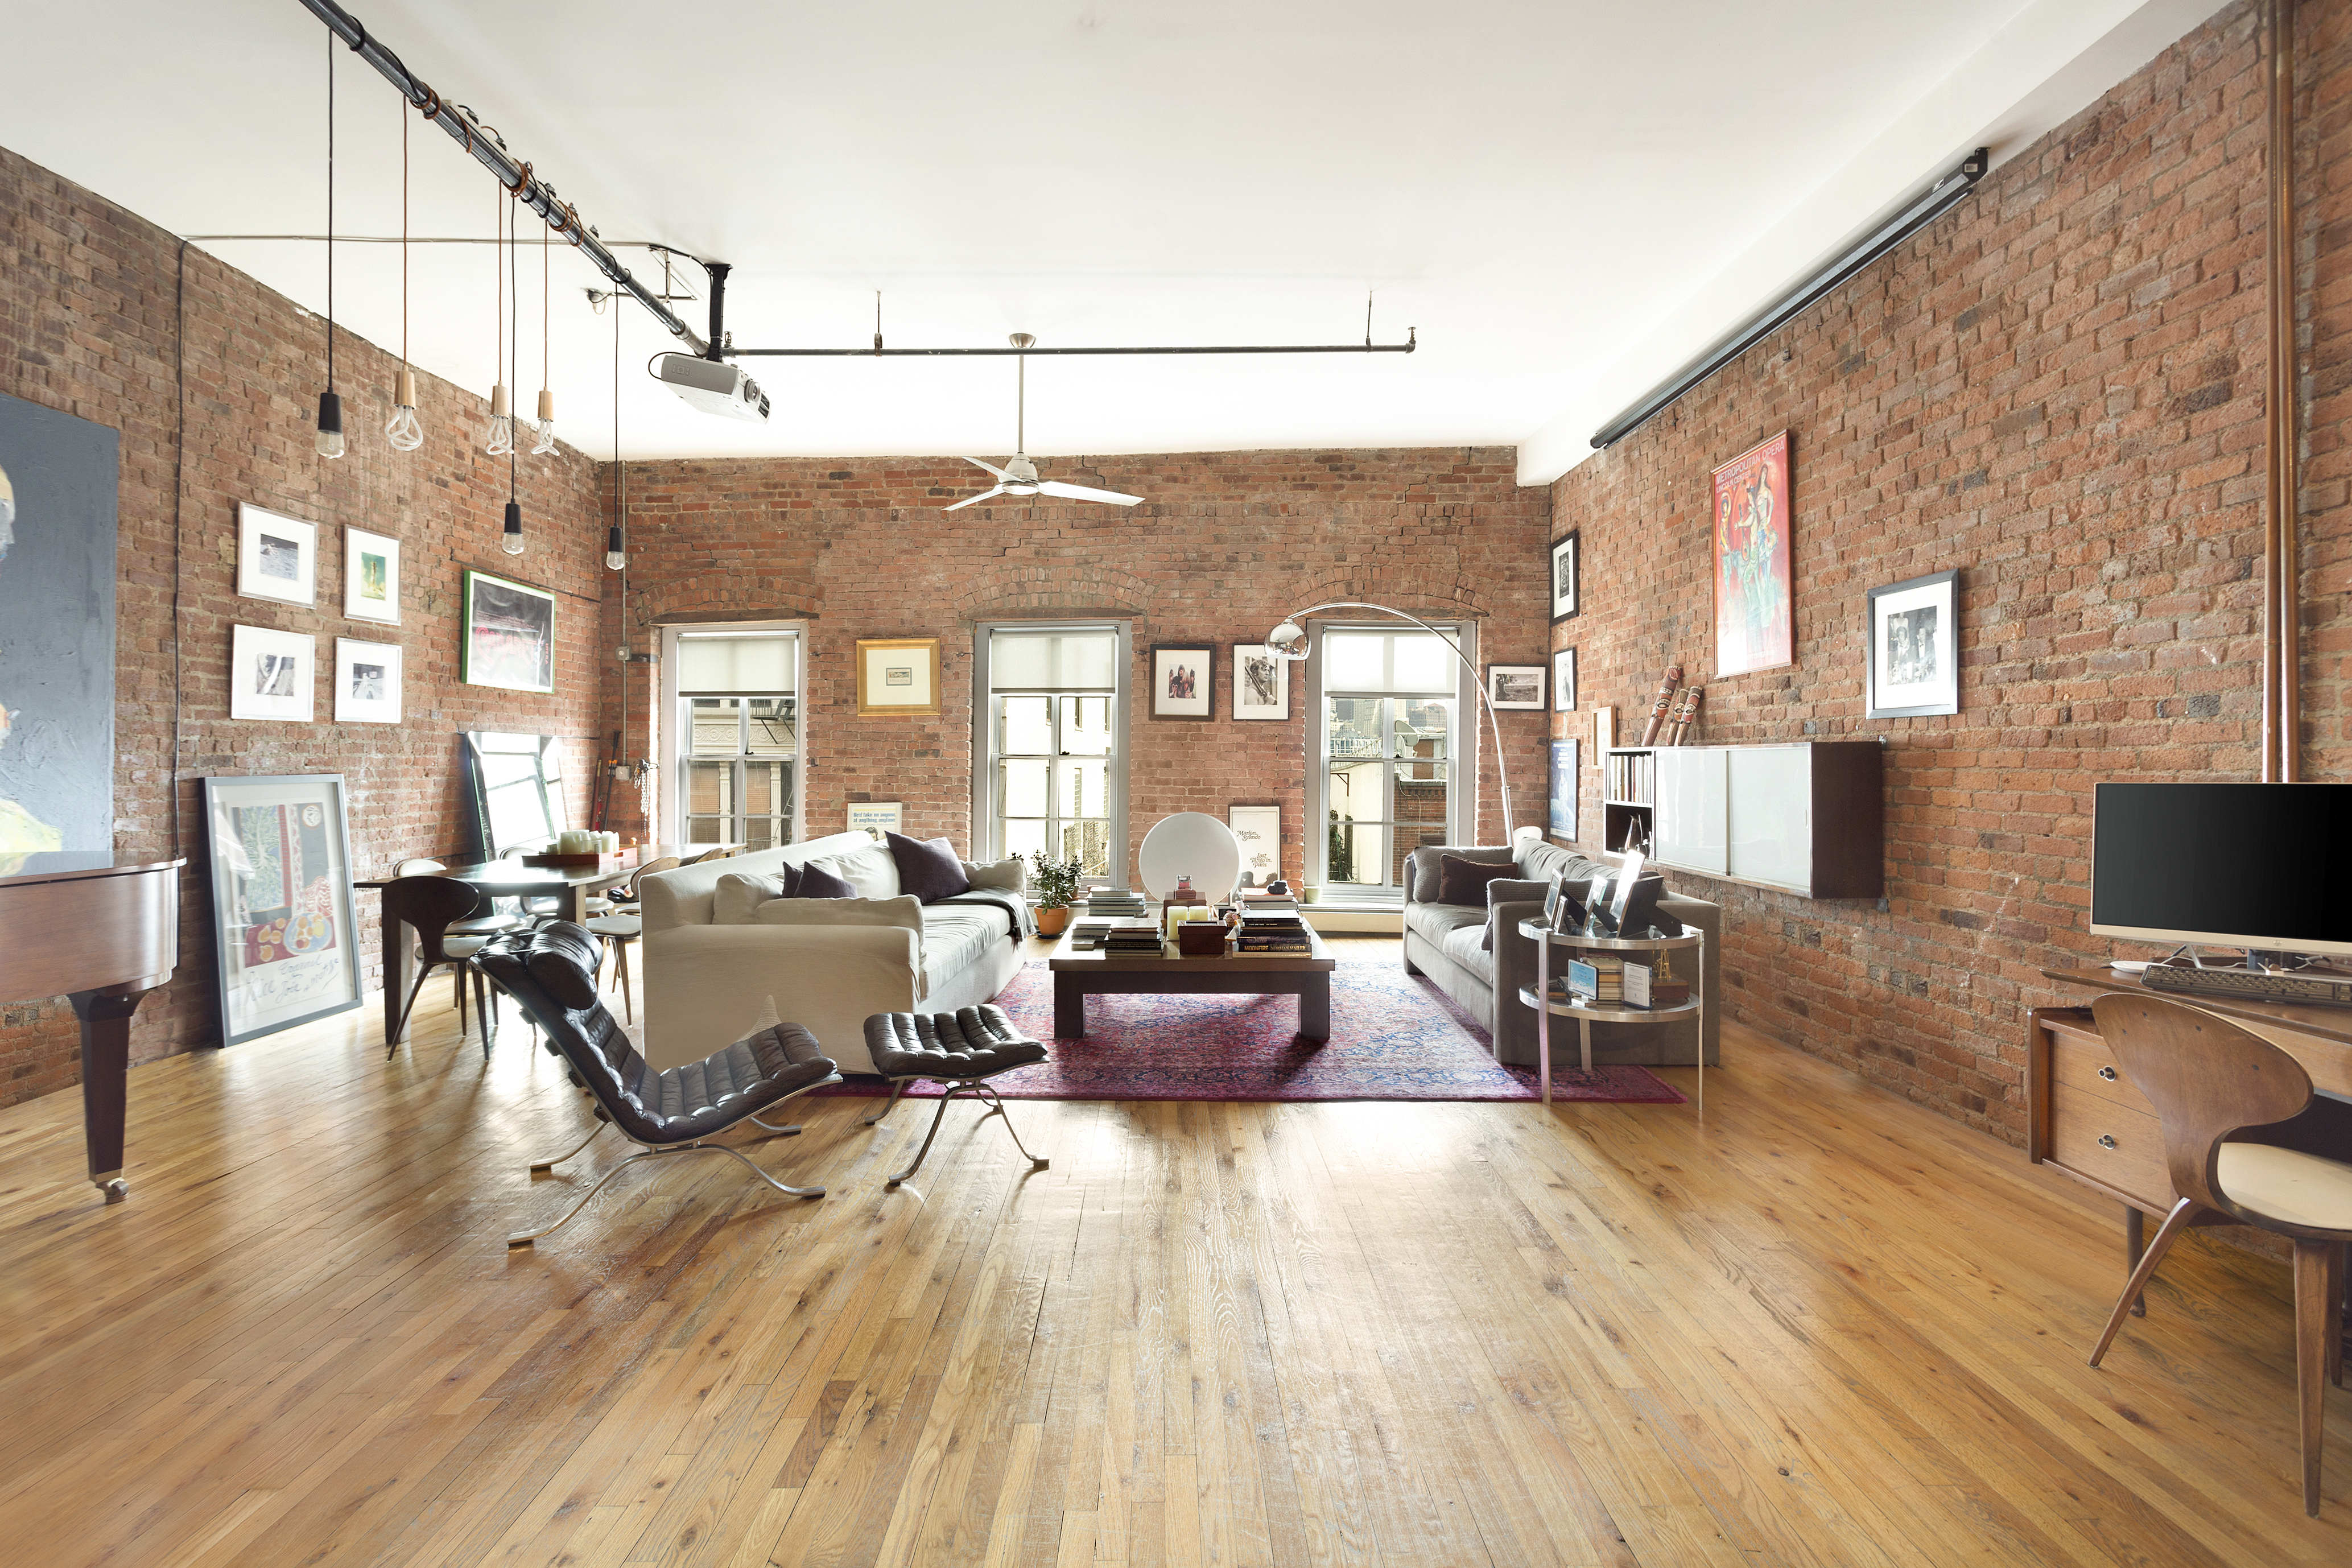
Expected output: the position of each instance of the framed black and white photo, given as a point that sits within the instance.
(507, 637)
(1564, 602)
(277, 557)
(1915, 648)
(367, 682)
(1561, 820)
(1261, 683)
(1183, 680)
(1510, 686)
(271, 673)
(1259, 829)
(370, 577)
(283, 932)
(1563, 681)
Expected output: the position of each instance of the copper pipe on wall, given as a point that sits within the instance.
(2282, 548)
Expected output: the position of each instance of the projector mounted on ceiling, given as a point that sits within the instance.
(712, 385)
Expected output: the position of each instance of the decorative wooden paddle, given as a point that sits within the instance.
(1659, 704)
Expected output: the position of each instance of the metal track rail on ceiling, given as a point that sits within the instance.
(878, 351)
(516, 177)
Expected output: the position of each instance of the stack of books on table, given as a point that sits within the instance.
(1271, 930)
(1131, 937)
(1601, 980)
(1114, 904)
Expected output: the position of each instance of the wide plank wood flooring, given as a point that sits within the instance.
(1821, 1326)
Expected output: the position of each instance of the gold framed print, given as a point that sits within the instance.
(898, 676)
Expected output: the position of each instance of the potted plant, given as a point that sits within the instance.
(1055, 884)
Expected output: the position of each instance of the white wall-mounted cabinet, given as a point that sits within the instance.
(1804, 817)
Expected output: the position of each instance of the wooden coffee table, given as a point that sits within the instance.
(1305, 975)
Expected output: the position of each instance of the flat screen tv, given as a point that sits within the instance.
(2230, 865)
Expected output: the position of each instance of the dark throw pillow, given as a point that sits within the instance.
(931, 871)
(816, 882)
(1464, 882)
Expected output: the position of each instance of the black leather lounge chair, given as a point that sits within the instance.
(552, 970)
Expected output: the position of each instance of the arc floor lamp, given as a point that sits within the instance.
(1288, 641)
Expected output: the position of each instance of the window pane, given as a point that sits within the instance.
(1020, 787)
(1355, 726)
(774, 733)
(1081, 787)
(1087, 843)
(1023, 836)
(1355, 661)
(1358, 852)
(709, 790)
(708, 829)
(1085, 726)
(716, 727)
(1025, 727)
(1355, 790)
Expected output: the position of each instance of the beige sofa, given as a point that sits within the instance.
(706, 984)
(1444, 942)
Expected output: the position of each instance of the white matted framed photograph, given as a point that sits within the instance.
(271, 673)
(1259, 827)
(1261, 683)
(1564, 599)
(1563, 681)
(277, 557)
(898, 676)
(1914, 629)
(1510, 686)
(370, 577)
(367, 682)
(1183, 680)
(283, 937)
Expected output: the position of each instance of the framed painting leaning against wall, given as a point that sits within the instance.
(281, 902)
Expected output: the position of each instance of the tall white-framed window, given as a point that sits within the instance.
(1049, 743)
(733, 728)
(1386, 731)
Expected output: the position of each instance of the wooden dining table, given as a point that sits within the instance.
(514, 880)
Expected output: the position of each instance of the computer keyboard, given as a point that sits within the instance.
(2251, 984)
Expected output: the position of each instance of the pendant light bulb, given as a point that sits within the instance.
(616, 557)
(330, 426)
(511, 540)
(404, 431)
(546, 442)
(498, 436)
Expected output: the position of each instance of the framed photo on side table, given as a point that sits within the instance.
(1516, 686)
(898, 676)
(1183, 680)
(1915, 628)
(367, 682)
(1564, 599)
(282, 924)
(1261, 683)
(1563, 817)
(277, 557)
(1563, 681)
(370, 577)
(507, 637)
(271, 673)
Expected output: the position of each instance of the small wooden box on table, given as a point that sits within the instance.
(1586, 1014)
(1305, 975)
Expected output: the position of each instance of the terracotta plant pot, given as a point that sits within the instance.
(1051, 922)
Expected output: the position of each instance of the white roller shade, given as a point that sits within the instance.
(1402, 662)
(738, 666)
(1053, 661)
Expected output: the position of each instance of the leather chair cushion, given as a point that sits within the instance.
(975, 1042)
(563, 963)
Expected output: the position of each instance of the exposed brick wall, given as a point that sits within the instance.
(2057, 388)
(1226, 545)
(89, 320)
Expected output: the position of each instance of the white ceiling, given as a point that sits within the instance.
(1566, 199)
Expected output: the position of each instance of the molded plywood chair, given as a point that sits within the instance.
(617, 932)
(485, 921)
(2209, 1080)
(430, 906)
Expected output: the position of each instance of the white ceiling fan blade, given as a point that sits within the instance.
(1080, 492)
(992, 468)
(974, 500)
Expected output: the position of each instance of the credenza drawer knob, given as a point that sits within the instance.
(2107, 1073)
(2106, 1140)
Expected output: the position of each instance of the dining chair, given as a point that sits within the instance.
(485, 922)
(616, 931)
(430, 906)
(2210, 1081)
(535, 907)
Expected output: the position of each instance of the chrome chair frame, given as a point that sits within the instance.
(978, 1087)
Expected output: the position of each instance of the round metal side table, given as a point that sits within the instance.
(1586, 1014)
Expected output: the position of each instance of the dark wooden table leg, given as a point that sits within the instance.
(394, 973)
(1069, 1007)
(105, 1015)
(2134, 1247)
(1315, 1007)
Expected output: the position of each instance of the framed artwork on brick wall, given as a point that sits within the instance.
(1914, 629)
(508, 635)
(1183, 680)
(367, 682)
(1755, 620)
(282, 923)
(277, 557)
(1561, 818)
(370, 577)
(898, 676)
(1519, 685)
(1261, 683)
(1563, 681)
(1565, 587)
(271, 673)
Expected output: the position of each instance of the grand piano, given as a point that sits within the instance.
(103, 935)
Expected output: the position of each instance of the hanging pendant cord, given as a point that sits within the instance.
(514, 340)
(330, 212)
(543, 306)
(404, 233)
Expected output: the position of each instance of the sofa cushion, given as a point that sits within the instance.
(1465, 944)
(740, 893)
(1542, 862)
(1435, 922)
(906, 910)
(870, 873)
(815, 881)
(1425, 861)
(1461, 881)
(1011, 876)
(956, 937)
(1510, 890)
(929, 870)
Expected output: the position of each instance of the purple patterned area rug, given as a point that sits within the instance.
(1393, 1037)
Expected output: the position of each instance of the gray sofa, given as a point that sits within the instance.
(1442, 940)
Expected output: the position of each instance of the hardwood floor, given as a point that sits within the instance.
(1822, 1327)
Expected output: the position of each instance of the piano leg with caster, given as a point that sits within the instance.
(105, 1015)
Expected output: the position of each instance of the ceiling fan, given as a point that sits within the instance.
(1019, 475)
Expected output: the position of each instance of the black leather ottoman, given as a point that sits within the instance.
(962, 1049)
